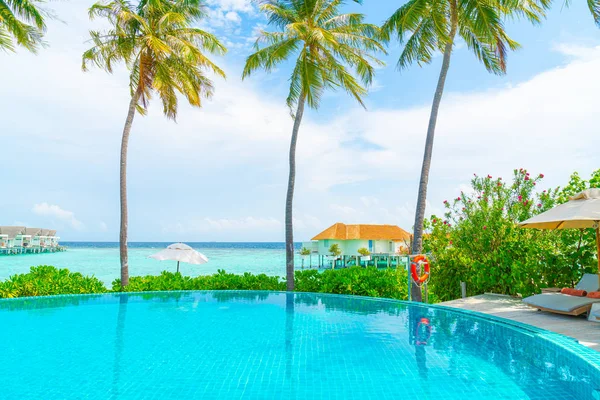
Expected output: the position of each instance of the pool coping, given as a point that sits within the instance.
(569, 344)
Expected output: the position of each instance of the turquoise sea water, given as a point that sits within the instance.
(102, 259)
(260, 345)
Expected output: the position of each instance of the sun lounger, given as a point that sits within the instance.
(563, 303)
(594, 314)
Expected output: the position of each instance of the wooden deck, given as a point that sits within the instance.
(586, 332)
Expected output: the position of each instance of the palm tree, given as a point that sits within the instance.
(21, 22)
(425, 27)
(331, 51)
(164, 55)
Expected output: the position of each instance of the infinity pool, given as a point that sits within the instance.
(261, 345)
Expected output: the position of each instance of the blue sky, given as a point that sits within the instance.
(220, 173)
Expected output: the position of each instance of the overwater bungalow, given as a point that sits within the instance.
(386, 244)
(24, 240)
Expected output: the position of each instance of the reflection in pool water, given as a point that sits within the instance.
(260, 345)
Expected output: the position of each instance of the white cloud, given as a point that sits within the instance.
(369, 201)
(345, 211)
(578, 51)
(307, 223)
(244, 6)
(233, 16)
(235, 148)
(225, 14)
(54, 211)
(209, 224)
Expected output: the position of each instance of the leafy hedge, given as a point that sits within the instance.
(390, 283)
(46, 280)
(219, 281)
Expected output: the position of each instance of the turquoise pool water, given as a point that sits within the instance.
(260, 345)
(102, 259)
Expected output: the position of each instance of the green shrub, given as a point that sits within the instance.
(363, 251)
(335, 250)
(478, 240)
(390, 283)
(219, 281)
(45, 280)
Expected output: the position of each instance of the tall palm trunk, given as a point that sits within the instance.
(123, 183)
(289, 202)
(417, 246)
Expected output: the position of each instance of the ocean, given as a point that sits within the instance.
(101, 259)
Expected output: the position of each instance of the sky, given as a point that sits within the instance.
(220, 173)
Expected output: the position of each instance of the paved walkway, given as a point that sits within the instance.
(586, 332)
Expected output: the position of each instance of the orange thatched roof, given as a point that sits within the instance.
(341, 231)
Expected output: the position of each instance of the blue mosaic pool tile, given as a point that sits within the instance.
(259, 345)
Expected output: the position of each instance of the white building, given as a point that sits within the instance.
(378, 239)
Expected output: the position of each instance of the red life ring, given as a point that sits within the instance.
(419, 280)
(419, 341)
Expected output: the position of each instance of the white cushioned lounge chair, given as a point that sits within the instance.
(566, 304)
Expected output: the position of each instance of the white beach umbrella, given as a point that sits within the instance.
(580, 212)
(181, 253)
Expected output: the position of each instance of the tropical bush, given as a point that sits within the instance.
(46, 280)
(363, 251)
(478, 240)
(219, 281)
(335, 250)
(390, 283)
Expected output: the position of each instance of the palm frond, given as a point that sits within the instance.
(269, 57)
(594, 6)
(421, 45)
(331, 50)
(21, 22)
(163, 51)
(406, 19)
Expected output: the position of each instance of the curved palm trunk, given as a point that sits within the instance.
(289, 227)
(417, 246)
(123, 183)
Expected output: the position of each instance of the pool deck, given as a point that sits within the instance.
(586, 332)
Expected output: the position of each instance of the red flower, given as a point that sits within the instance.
(484, 227)
(525, 202)
(527, 177)
(445, 201)
(539, 205)
(489, 177)
(499, 184)
(541, 175)
(520, 197)
(458, 199)
(451, 242)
